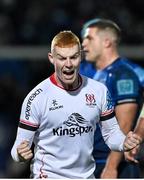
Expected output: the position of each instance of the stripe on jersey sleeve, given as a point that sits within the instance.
(107, 116)
(27, 125)
(124, 101)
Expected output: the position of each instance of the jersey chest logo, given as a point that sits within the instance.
(90, 100)
(75, 119)
(74, 125)
(55, 105)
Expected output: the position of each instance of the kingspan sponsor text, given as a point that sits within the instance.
(73, 131)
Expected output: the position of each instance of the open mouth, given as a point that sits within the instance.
(68, 72)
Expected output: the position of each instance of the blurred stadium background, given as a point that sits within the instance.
(26, 29)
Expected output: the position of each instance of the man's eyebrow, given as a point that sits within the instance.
(70, 56)
(76, 53)
(87, 37)
(59, 55)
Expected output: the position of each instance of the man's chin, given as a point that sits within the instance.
(69, 78)
(69, 82)
(89, 60)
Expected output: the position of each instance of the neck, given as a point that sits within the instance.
(69, 87)
(105, 60)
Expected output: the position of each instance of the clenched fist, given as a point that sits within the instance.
(24, 151)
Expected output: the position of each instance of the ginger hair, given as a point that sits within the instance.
(65, 39)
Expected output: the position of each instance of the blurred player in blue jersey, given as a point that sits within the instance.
(101, 38)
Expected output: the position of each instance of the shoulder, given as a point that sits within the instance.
(122, 69)
(38, 90)
(93, 83)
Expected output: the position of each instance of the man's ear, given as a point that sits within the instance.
(50, 57)
(107, 42)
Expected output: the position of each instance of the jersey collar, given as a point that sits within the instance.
(54, 81)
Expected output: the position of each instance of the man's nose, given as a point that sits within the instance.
(84, 43)
(68, 62)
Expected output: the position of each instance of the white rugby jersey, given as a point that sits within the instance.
(61, 124)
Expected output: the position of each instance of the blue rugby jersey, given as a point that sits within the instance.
(87, 69)
(125, 81)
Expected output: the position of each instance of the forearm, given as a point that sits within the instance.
(113, 160)
(22, 135)
(110, 170)
(112, 135)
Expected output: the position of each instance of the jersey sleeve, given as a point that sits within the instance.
(29, 121)
(30, 111)
(111, 132)
(107, 106)
(124, 85)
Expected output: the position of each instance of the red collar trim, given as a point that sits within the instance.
(54, 81)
